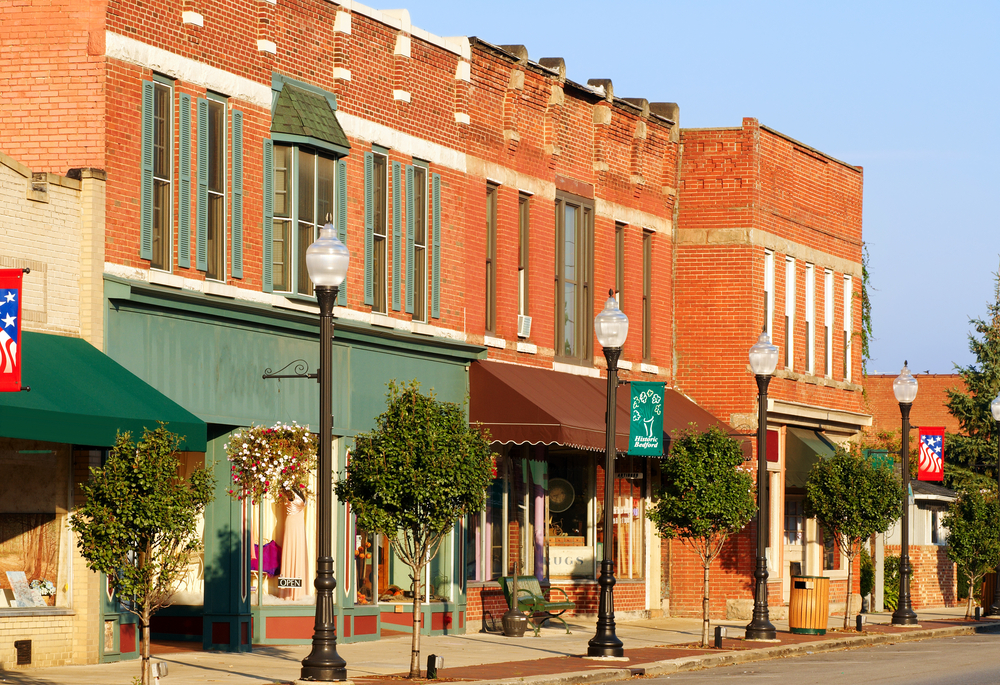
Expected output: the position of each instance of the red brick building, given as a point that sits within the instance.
(769, 238)
(488, 203)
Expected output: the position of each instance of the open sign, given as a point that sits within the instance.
(289, 582)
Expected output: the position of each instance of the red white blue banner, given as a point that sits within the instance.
(931, 454)
(10, 329)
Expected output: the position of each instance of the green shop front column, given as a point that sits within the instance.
(227, 598)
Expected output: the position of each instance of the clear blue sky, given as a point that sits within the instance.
(909, 91)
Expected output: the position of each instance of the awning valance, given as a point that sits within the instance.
(81, 396)
(522, 404)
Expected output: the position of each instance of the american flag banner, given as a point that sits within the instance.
(10, 329)
(931, 454)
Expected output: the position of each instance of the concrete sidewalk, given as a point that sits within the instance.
(656, 646)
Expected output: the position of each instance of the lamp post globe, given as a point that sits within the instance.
(611, 328)
(994, 608)
(904, 387)
(763, 360)
(327, 260)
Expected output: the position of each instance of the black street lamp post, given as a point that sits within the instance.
(327, 260)
(904, 387)
(763, 359)
(611, 327)
(994, 609)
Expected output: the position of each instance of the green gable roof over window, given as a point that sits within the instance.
(80, 396)
(301, 116)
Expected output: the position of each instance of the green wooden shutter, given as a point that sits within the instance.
(201, 246)
(409, 239)
(436, 266)
(369, 227)
(237, 236)
(397, 234)
(184, 192)
(146, 180)
(268, 214)
(342, 220)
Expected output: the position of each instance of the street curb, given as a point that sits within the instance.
(693, 663)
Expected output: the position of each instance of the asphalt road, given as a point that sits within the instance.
(963, 660)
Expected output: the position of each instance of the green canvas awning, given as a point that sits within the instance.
(803, 448)
(81, 396)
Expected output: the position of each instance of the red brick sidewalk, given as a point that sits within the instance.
(637, 657)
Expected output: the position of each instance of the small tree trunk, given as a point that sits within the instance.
(847, 607)
(147, 675)
(704, 610)
(415, 642)
(972, 596)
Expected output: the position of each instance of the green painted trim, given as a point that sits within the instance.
(808, 631)
(190, 304)
(278, 82)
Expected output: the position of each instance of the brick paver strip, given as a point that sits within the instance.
(554, 666)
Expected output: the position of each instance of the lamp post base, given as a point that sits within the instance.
(605, 643)
(904, 616)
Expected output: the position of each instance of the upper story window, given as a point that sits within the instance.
(619, 261)
(574, 273)
(380, 238)
(789, 312)
(523, 226)
(215, 235)
(647, 295)
(810, 316)
(769, 293)
(418, 254)
(827, 323)
(491, 258)
(303, 202)
(162, 173)
(848, 324)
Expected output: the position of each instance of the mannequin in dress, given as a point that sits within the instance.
(294, 556)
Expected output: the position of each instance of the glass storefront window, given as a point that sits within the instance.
(366, 559)
(34, 538)
(284, 535)
(191, 588)
(569, 540)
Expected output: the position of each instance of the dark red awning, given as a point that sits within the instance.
(523, 404)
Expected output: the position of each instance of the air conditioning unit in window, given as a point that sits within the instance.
(523, 326)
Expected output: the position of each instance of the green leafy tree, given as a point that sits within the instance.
(413, 477)
(704, 498)
(138, 523)
(973, 523)
(853, 500)
(972, 451)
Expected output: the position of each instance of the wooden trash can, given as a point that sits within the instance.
(809, 605)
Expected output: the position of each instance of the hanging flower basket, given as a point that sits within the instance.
(271, 462)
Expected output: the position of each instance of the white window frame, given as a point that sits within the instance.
(848, 324)
(789, 312)
(421, 316)
(166, 239)
(810, 319)
(828, 323)
(769, 293)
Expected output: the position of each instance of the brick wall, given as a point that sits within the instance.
(934, 582)
(928, 409)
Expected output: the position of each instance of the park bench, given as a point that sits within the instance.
(531, 601)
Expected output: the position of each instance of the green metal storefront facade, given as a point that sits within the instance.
(208, 354)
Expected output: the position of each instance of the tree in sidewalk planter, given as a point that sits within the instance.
(973, 523)
(138, 523)
(704, 497)
(853, 499)
(420, 470)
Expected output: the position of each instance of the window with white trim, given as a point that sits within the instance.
(574, 271)
(827, 323)
(789, 312)
(769, 293)
(810, 317)
(163, 159)
(216, 228)
(419, 191)
(848, 324)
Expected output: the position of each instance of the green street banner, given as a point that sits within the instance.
(645, 435)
